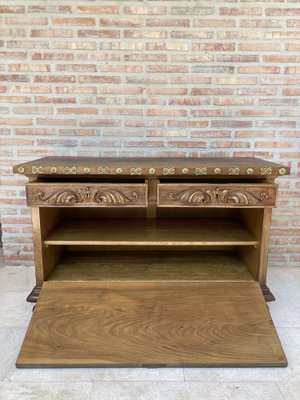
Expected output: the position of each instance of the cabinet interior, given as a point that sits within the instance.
(119, 244)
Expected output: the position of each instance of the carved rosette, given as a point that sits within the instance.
(87, 195)
(220, 196)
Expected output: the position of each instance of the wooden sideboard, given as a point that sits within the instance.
(151, 262)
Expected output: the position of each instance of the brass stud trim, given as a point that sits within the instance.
(185, 171)
(250, 171)
(119, 170)
(201, 171)
(217, 171)
(53, 170)
(151, 171)
(135, 171)
(87, 170)
(282, 171)
(103, 170)
(21, 170)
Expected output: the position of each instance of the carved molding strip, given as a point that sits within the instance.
(87, 195)
(219, 196)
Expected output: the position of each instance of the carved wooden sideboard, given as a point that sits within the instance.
(151, 262)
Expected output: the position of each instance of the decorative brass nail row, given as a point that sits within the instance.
(165, 171)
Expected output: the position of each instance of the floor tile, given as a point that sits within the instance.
(290, 391)
(16, 278)
(186, 391)
(10, 342)
(285, 285)
(45, 391)
(14, 310)
(94, 374)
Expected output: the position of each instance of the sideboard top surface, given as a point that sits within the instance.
(152, 166)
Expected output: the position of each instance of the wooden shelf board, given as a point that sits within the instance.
(160, 232)
(117, 324)
(150, 266)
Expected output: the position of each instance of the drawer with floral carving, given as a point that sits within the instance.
(87, 195)
(216, 195)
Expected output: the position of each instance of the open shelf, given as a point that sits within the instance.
(150, 266)
(160, 232)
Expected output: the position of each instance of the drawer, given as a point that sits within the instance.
(87, 195)
(216, 195)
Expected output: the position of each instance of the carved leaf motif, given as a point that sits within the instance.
(60, 197)
(113, 196)
(219, 196)
(192, 196)
(87, 196)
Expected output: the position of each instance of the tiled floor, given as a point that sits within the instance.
(147, 384)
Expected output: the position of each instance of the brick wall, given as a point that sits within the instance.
(156, 77)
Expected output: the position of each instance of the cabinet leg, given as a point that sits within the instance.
(33, 296)
(268, 295)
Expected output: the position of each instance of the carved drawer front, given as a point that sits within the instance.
(216, 195)
(87, 195)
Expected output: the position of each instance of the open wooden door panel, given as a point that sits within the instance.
(134, 324)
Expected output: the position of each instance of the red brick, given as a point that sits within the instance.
(12, 33)
(55, 100)
(262, 23)
(13, 54)
(214, 23)
(282, 11)
(164, 22)
(191, 35)
(53, 56)
(26, 21)
(28, 44)
(16, 121)
(145, 10)
(259, 47)
(98, 9)
(292, 70)
(291, 92)
(281, 58)
(259, 70)
(98, 79)
(103, 33)
(63, 33)
(34, 131)
(166, 68)
(125, 22)
(77, 110)
(99, 122)
(56, 122)
(55, 79)
(213, 47)
(282, 35)
(193, 58)
(211, 91)
(28, 67)
(167, 112)
(231, 123)
(12, 9)
(32, 110)
(73, 21)
(145, 34)
(241, 11)
(15, 99)
(14, 78)
(192, 10)
(76, 67)
(121, 68)
(50, 9)
(187, 123)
